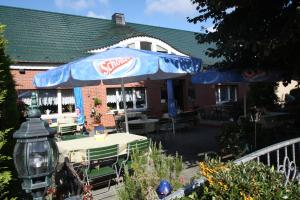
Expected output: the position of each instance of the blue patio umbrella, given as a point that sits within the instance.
(79, 105)
(172, 111)
(214, 76)
(232, 76)
(118, 66)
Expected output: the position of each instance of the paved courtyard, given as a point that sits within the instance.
(187, 142)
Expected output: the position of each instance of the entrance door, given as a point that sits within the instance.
(178, 86)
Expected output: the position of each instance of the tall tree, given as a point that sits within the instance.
(8, 117)
(263, 34)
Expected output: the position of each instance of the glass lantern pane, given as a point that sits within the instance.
(38, 157)
(20, 159)
(54, 155)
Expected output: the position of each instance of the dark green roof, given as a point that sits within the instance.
(40, 36)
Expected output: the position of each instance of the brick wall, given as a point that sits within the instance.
(24, 81)
(204, 95)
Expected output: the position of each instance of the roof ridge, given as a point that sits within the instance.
(133, 23)
(46, 11)
(176, 29)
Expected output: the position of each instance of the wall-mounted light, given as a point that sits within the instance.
(22, 71)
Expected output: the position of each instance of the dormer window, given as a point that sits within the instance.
(145, 46)
(132, 45)
(161, 49)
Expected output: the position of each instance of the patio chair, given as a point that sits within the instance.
(138, 129)
(72, 137)
(102, 163)
(141, 146)
(66, 126)
(118, 122)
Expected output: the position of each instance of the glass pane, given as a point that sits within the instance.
(38, 154)
(20, 160)
(25, 96)
(232, 93)
(132, 45)
(129, 97)
(140, 96)
(224, 94)
(191, 94)
(68, 101)
(163, 95)
(161, 49)
(111, 98)
(47, 100)
(54, 155)
(217, 95)
(145, 46)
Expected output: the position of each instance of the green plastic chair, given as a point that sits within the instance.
(138, 145)
(101, 163)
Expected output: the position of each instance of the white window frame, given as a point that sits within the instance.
(227, 87)
(59, 108)
(119, 96)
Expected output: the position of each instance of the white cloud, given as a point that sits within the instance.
(93, 14)
(75, 4)
(178, 7)
(211, 29)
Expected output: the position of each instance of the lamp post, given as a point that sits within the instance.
(35, 153)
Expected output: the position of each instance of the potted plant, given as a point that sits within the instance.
(94, 113)
(97, 102)
(96, 116)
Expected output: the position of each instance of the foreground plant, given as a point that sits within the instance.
(147, 171)
(246, 181)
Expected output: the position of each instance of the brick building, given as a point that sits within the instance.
(39, 40)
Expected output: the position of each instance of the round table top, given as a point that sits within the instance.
(142, 121)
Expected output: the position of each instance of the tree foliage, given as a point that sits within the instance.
(262, 95)
(252, 33)
(8, 117)
(8, 108)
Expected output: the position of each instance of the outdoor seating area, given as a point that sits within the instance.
(99, 161)
(95, 108)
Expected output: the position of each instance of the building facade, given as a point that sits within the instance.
(39, 40)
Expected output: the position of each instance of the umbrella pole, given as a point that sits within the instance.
(125, 107)
(245, 104)
(173, 124)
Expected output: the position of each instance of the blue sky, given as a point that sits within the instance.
(164, 13)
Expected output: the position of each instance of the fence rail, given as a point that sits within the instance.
(283, 156)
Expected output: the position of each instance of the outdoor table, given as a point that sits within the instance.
(150, 125)
(76, 149)
(274, 119)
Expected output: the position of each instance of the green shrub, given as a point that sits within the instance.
(246, 181)
(9, 119)
(97, 102)
(234, 140)
(262, 95)
(148, 171)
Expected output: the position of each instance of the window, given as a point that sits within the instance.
(136, 98)
(161, 49)
(145, 46)
(50, 101)
(226, 93)
(132, 45)
(163, 95)
(191, 94)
